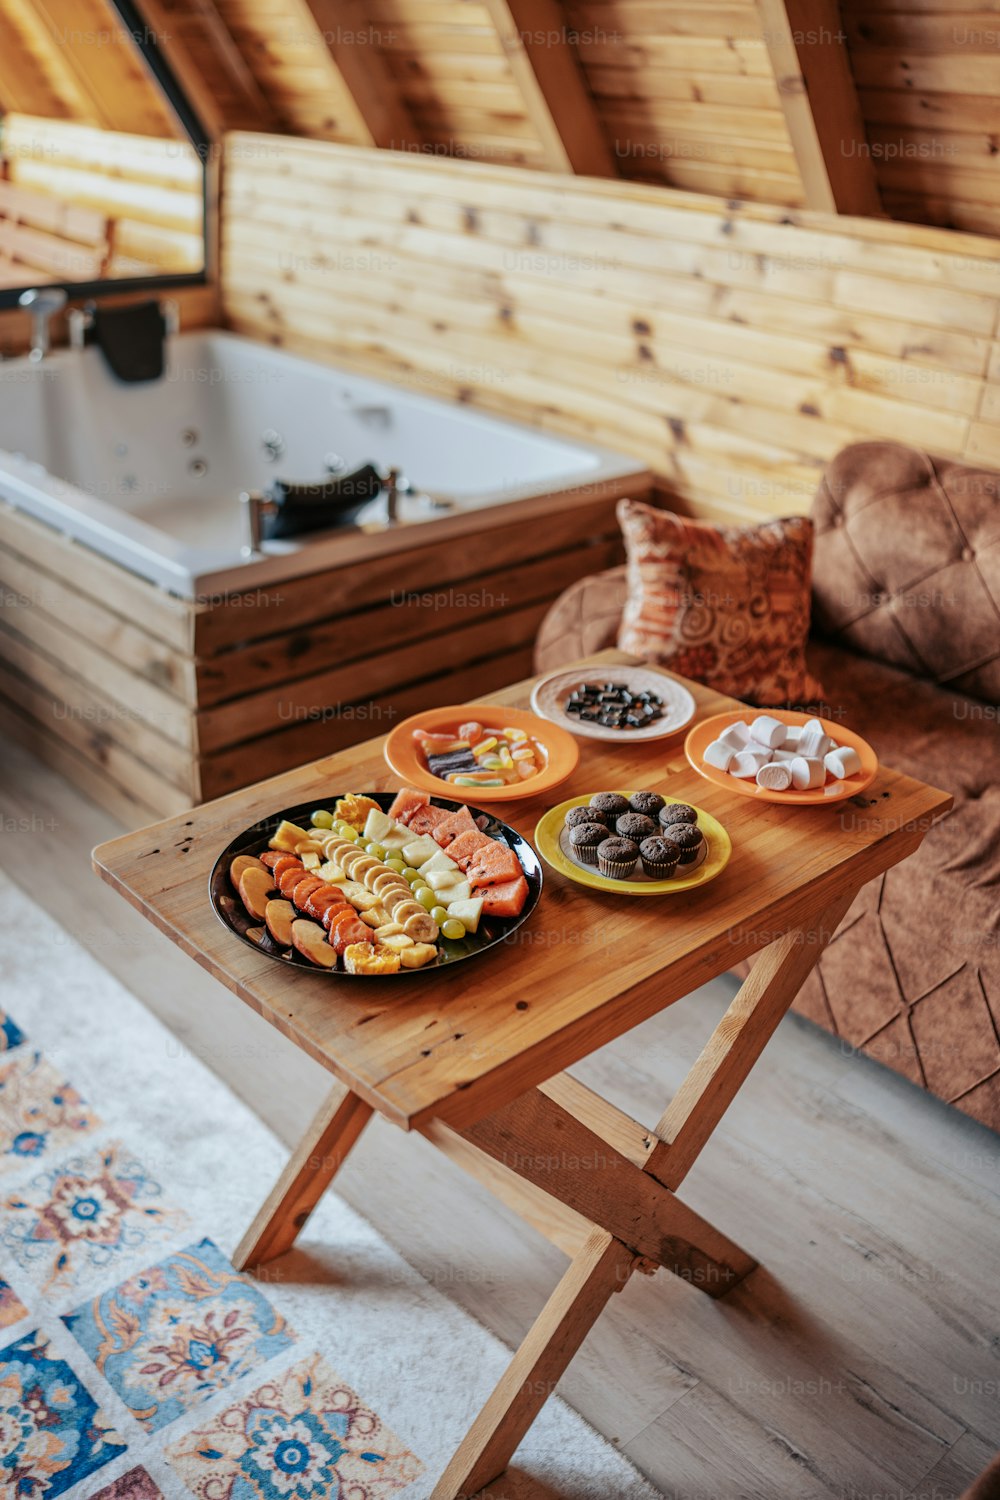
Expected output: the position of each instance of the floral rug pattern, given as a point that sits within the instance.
(171, 1336)
(303, 1436)
(51, 1432)
(39, 1111)
(135, 1315)
(84, 1215)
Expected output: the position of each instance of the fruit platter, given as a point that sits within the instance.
(481, 752)
(376, 884)
(634, 703)
(781, 756)
(638, 843)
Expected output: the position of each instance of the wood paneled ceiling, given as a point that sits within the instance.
(870, 107)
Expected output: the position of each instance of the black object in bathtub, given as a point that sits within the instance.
(131, 339)
(301, 508)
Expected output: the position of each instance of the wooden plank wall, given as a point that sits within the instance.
(149, 190)
(688, 96)
(733, 348)
(928, 76)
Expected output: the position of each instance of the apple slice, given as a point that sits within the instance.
(279, 916)
(255, 890)
(310, 941)
(468, 912)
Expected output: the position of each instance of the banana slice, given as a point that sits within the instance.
(421, 927)
(386, 881)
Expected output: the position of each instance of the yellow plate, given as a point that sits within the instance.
(550, 845)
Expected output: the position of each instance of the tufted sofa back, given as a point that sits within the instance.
(906, 566)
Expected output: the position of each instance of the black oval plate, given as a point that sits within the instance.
(254, 840)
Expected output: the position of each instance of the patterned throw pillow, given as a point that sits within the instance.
(725, 605)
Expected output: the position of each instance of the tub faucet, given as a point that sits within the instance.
(42, 303)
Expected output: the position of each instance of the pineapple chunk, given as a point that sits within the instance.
(417, 956)
(311, 860)
(331, 873)
(288, 837)
(396, 942)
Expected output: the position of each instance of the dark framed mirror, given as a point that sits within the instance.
(103, 159)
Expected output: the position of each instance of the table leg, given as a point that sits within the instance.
(605, 1263)
(311, 1168)
(602, 1268)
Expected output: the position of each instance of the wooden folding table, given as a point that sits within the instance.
(474, 1056)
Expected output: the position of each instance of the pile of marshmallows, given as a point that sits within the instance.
(780, 757)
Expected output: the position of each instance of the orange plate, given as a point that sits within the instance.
(704, 733)
(405, 757)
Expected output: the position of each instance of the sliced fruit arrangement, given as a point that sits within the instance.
(379, 889)
(476, 755)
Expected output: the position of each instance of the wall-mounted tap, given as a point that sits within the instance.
(42, 303)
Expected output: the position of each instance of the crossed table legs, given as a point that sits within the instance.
(625, 1197)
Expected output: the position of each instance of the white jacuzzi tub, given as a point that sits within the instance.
(150, 475)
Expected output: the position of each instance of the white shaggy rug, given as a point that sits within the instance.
(133, 1362)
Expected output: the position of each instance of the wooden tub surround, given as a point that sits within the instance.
(150, 702)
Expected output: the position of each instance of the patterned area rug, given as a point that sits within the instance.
(135, 1363)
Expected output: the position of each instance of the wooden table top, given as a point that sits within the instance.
(586, 967)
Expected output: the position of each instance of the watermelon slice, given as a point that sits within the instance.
(454, 824)
(462, 849)
(504, 899)
(426, 819)
(493, 865)
(407, 802)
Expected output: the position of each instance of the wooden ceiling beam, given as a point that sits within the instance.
(808, 49)
(556, 98)
(350, 40)
(162, 22)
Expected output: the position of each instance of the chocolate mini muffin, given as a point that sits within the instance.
(578, 815)
(635, 826)
(586, 838)
(650, 804)
(611, 804)
(616, 857)
(677, 812)
(688, 838)
(659, 856)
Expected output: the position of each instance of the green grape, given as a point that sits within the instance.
(347, 832)
(321, 818)
(377, 851)
(452, 929)
(427, 898)
(394, 863)
(440, 914)
(410, 874)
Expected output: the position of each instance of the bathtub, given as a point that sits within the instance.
(150, 475)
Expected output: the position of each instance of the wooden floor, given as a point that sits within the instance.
(860, 1362)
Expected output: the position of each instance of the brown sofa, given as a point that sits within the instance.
(906, 641)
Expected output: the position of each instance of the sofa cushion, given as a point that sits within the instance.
(913, 976)
(725, 605)
(906, 566)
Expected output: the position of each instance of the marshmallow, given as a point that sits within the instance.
(814, 743)
(718, 754)
(775, 777)
(784, 754)
(737, 736)
(768, 731)
(793, 733)
(842, 762)
(746, 763)
(807, 772)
